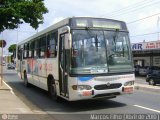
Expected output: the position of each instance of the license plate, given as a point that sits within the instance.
(128, 89)
(87, 93)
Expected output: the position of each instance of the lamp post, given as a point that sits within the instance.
(158, 28)
(1, 60)
(2, 65)
(2, 45)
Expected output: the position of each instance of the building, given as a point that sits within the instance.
(146, 53)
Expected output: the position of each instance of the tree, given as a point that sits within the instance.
(12, 48)
(15, 12)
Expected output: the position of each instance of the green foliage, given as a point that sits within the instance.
(15, 12)
(12, 48)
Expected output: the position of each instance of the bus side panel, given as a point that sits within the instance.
(35, 71)
(52, 69)
(18, 68)
(27, 66)
(42, 68)
(42, 74)
(23, 68)
(72, 94)
(38, 71)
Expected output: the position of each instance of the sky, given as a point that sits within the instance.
(142, 17)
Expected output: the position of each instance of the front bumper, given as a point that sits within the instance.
(96, 94)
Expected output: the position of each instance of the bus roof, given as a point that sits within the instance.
(52, 27)
(79, 22)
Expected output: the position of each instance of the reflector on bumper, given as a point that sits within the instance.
(87, 93)
(128, 89)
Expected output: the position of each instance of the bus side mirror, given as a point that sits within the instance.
(67, 41)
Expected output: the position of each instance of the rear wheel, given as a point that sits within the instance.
(26, 80)
(151, 82)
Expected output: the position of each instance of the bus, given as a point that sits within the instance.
(79, 58)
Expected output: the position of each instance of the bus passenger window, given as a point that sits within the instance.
(52, 44)
(36, 49)
(47, 54)
(30, 50)
(42, 46)
(42, 53)
(25, 51)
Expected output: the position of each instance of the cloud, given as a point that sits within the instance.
(148, 25)
(55, 20)
(60, 9)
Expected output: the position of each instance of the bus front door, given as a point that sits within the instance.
(63, 75)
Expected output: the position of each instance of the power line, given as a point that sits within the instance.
(143, 18)
(136, 9)
(28, 31)
(122, 9)
(24, 31)
(133, 10)
(145, 34)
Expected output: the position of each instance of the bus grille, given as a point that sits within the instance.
(105, 86)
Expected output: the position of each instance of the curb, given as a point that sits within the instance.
(6, 87)
(151, 89)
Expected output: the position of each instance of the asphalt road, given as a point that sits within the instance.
(141, 102)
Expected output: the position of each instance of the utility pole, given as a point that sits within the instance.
(2, 45)
(158, 28)
(2, 65)
(15, 58)
(2, 61)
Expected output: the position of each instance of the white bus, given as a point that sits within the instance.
(79, 58)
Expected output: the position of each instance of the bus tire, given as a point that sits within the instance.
(52, 89)
(26, 84)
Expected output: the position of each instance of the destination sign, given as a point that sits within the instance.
(81, 23)
(98, 23)
(106, 24)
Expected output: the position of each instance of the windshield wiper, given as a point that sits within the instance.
(94, 35)
(115, 37)
(88, 29)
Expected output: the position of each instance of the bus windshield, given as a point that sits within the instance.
(95, 52)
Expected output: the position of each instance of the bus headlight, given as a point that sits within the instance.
(81, 87)
(129, 83)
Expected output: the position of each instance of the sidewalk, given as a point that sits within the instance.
(12, 108)
(144, 85)
(147, 87)
(4, 86)
(10, 103)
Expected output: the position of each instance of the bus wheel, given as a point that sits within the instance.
(52, 90)
(26, 80)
